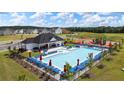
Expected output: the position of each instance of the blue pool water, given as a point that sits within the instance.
(71, 57)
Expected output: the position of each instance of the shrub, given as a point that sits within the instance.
(22, 77)
(108, 58)
(100, 66)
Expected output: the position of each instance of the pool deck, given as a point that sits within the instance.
(58, 52)
(57, 77)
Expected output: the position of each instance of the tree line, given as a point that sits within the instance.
(100, 29)
(24, 27)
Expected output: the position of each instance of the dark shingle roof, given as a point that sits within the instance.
(28, 40)
(42, 38)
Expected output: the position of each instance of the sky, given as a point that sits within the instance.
(62, 19)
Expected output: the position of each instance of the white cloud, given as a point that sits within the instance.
(39, 19)
(83, 13)
(90, 19)
(38, 15)
(104, 13)
(109, 21)
(122, 17)
(121, 21)
(62, 15)
(93, 18)
(63, 19)
(3, 21)
(0, 20)
(75, 21)
(17, 19)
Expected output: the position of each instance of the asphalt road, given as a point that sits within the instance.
(4, 46)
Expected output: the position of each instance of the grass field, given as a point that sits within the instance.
(15, 37)
(112, 69)
(109, 36)
(10, 70)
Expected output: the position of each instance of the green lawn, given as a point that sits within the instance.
(10, 70)
(112, 69)
(115, 37)
(109, 36)
(16, 37)
(26, 54)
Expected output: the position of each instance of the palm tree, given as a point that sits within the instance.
(103, 53)
(90, 63)
(68, 67)
(90, 57)
(68, 75)
(90, 60)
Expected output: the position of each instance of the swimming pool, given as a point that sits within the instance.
(70, 56)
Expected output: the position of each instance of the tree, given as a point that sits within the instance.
(110, 50)
(90, 60)
(9, 48)
(122, 41)
(100, 29)
(68, 67)
(14, 49)
(120, 45)
(115, 47)
(104, 39)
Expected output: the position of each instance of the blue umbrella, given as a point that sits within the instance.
(32, 59)
(50, 67)
(44, 65)
(37, 62)
(73, 70)
(40, 65)
(80, 67)
(29, 59)
(85, 62)
(62, 73)
(56, 70)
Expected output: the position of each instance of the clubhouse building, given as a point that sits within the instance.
(42, 41)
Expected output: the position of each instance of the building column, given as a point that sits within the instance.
(48, 46)
(39, 46)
